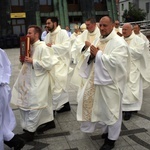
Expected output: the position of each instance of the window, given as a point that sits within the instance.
(72, 1)
(14, 2)
(49, 2)
(21, 2)
(129, 5)
(122, 7)
(45, 2)
(97, 1)
(17, 2)
(69, 1)
(20, 21)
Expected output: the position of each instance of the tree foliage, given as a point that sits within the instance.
(134, 14)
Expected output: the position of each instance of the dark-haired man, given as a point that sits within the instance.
(117, 27)
(32, 89)
(80, 49)
(59, 41)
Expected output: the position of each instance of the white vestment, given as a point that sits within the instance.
(32, 89)
(139, 74)
(61, 46)
(7, 118)
(77, 47)
(99, 102)
(141, 35)
(118, 30)
(73, 37)
(80, 41)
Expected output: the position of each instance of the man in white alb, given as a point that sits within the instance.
(106, 69)
(59, 41)
(136, 29)
(80, 47)
(32, 91)
(7, 117)
(139, 73)
(117, 28)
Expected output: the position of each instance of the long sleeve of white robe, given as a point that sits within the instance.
(139, 74)
(62, 52)
(111, 71)
(44, 60)
(77, 48)
(147, 42)
(80, 42)
(140, 58)
(115, 61)
(31, 89)
(7, 118)
(61, 46)
(101, 75)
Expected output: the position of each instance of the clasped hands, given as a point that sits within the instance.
(93, 49)
(49, 44)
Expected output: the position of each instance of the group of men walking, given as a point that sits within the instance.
(111, 72)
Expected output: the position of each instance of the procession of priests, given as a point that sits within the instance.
(118, 65)
(111, 71)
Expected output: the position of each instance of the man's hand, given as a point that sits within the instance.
(28, 59)
(87, 44)
(49, 44)
(93, 51)
(119, 33)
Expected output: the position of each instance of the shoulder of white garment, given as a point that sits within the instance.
(4, 56)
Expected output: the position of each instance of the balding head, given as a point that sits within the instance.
(127, 30)
(106, 26)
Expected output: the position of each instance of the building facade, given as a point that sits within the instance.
(142, 4)
(18, 14)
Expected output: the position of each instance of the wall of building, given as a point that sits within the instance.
(142, 5)
(124, 5)
(69, 12)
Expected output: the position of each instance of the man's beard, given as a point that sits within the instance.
(51, 29)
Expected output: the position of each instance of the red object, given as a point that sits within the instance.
(24, 47)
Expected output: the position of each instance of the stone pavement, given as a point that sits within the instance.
(135, 134)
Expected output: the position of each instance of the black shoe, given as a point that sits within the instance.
(104, 135)
(106, 147)
(135, 112)
(54, 113)
(24, 130)
(27, 136)
(45, 127)
(127, 115)
(65, 108)
(15, 142)
(108, 144)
